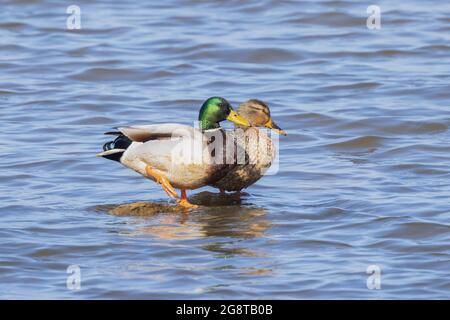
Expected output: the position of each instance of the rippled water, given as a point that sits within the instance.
(364, 171)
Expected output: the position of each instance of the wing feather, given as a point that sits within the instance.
(158, 132)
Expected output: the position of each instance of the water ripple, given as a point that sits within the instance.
(363, 176)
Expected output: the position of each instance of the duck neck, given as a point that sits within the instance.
(208, 125)
(208, 119)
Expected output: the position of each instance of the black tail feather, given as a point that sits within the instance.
(108, 146)
(121, 142)
(114, 156)
(113, 133)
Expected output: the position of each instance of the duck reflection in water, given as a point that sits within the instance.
(218, 216)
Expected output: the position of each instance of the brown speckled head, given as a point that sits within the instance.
(257, 113)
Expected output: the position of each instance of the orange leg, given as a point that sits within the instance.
(165, 184)
(184, 201)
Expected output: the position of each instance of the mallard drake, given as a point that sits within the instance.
(153, 150)
(258, 146)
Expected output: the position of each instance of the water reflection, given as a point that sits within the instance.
(219, 216)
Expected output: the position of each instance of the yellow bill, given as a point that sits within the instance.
(234, 117)
(271, 125)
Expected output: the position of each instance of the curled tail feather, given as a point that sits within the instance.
(114, 149)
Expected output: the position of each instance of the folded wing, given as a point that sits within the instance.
(146, 133)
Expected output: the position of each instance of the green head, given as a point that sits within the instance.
(215, 110)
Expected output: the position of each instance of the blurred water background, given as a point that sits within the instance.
(364, 175)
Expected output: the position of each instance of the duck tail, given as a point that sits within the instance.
(114, 149)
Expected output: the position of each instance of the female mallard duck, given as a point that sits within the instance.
(259, 148)
(154, 150)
